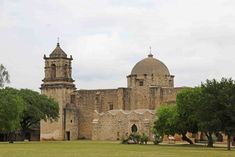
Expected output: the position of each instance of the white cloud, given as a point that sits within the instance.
(194, 38)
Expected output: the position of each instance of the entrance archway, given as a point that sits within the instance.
(134, 128)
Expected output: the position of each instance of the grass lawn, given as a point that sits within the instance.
(107, 149)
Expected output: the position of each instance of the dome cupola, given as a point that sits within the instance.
(150, 66)
(150, 72)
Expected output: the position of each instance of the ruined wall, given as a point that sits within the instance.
(115, 124)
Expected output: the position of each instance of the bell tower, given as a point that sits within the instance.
(57, 84)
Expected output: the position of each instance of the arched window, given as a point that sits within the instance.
(53, 71)
(134, 128)
(65, 70)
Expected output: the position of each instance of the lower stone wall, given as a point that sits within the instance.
(115, 124)
(71, 123)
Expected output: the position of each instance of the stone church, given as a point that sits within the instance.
(104, 114)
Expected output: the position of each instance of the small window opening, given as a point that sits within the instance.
(110, 106)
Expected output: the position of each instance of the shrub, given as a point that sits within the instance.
(124, 140)
(157, 138)
(144, 139)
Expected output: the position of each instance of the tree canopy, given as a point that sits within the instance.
(209, 108)
(37, 107)
(179, 118)
(24, 109)
(11, 107)
(216, 112)
(187, 122)
(166, 120)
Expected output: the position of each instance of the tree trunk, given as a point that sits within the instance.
(229, 142)
(11, 137)
(185, 138)
(210, 140)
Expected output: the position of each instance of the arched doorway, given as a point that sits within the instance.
(134, 128)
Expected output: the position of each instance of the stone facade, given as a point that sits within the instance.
(115, 124)
(58, 84)
(105, 114)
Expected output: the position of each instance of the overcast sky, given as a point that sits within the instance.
(194, 38)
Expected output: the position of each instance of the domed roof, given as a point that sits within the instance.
(150, 66)
(58, 52)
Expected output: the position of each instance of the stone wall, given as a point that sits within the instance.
(57, 68)
(90, 100)
(71, 122)
(169, 94)
(55, 130)
(106, 100)
(115, 124)
(150, 80)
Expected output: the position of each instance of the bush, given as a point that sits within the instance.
(135, 138)
(144, 139)
(124, 140)
(157, 138)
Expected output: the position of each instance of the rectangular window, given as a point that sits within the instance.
(110, 106)
(141, 83)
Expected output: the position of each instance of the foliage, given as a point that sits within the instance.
(4, 76)
(25, 108)
(185, 108)
(124, 140)
(37, 107)
(143, 139)
(157, 138)
(11, 107)
(186, 101)
(165, 120)
(135, 138)
(216, 112)
(209, 109)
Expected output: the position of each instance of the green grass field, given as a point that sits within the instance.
(107, 149)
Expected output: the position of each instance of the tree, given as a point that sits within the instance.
(37, 107)
(209, 109)
(165, 120)
(219, 97)
(216, 112)
(11, 107)
(178, 118)
(227, 100)
(25, 108)
(4, 76)
(187, 122)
